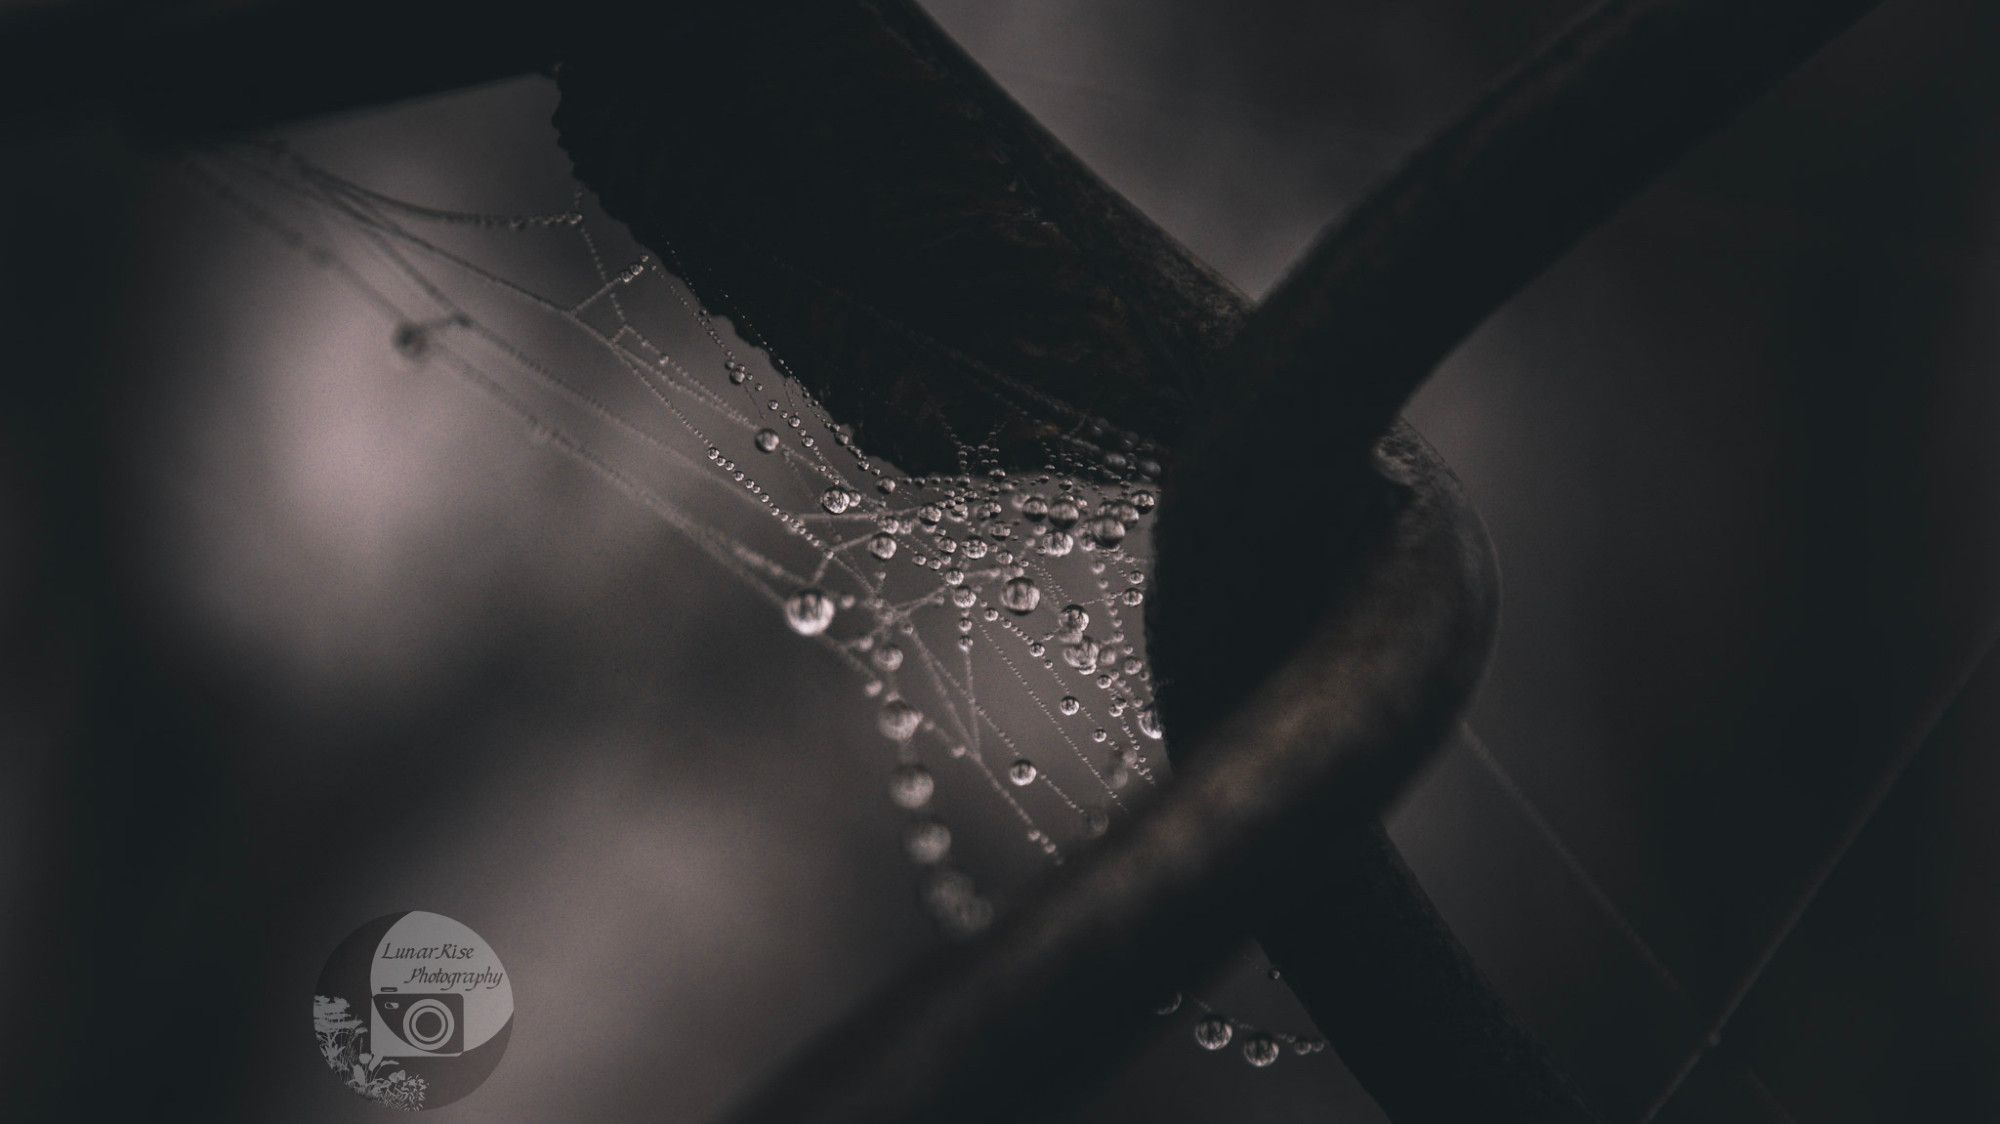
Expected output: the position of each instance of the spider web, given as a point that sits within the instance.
(992, 615)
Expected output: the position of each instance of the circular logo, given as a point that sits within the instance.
(413, 1010)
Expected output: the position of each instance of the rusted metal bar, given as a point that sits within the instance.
(1484, 207)
(1475, 215)
(1328, 361)
(865, 199)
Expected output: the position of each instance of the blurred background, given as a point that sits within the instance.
(298, 640)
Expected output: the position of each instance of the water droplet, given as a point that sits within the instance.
(964, 597)
(737, 372)
(1107, 531)
(1260, 1050)
(888, 657)
(1069, 705)
(1081, 655)
(947, 887)
(1064, 513)
(1213, 1032)
(1022, 772)
(926, 841)
(1168, 1005)
(1021, 595)
(767, 440)
(910, 786)
(1055, 544)
(1149, 722)
(967, 917)
(1034, 508)
(1096, 821)
(809, 611)
(899, 720)
(836, 499)
(883, 546)
(1072, 621)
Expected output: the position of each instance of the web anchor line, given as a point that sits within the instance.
(1937, 707)
(1602, 900)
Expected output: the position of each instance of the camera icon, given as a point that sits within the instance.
(417, 1025)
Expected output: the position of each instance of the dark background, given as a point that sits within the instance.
(296, 641)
